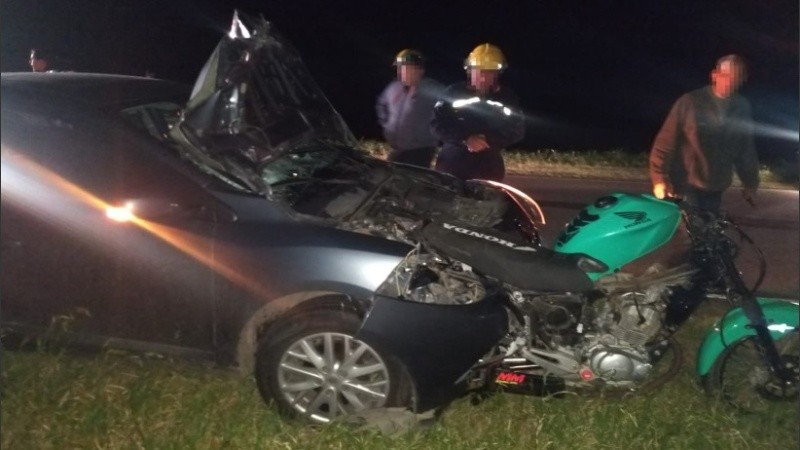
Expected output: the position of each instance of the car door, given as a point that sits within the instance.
(75, 257)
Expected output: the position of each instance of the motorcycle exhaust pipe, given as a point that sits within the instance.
(526, 383)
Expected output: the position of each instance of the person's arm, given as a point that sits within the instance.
(746, 162)
(664, 149)
(511, 131)
(382, 107)
(445, 124)
(510, 128)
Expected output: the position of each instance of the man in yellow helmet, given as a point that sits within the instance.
(476, 120)
(404, 110)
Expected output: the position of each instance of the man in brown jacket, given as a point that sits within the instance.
(707, 134)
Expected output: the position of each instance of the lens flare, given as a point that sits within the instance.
(122, 213)
(43, 192)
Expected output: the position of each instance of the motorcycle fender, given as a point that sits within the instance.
(437, 344)
(781, 316)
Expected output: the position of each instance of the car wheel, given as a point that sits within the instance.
(312, 367)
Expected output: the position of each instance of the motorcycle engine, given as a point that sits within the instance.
(618, 364)
(632, 317)
(607, 334)
(622, 324)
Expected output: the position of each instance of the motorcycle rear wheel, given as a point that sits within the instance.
(741, 378)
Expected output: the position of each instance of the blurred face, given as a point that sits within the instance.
(409, 74)
(38, 64)
(727, 79)
(482, 80)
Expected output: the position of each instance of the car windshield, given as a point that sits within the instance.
(154, 118)
(310, 163)
(313, 176)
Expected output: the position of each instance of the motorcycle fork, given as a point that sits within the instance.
(754, 313)
(763, 338)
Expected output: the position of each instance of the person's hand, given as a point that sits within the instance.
(660, 191)
(749, 195)
(476, 143)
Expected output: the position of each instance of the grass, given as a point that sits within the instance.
(613, 164)
(113, 400)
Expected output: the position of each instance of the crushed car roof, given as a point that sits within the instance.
(256, 95)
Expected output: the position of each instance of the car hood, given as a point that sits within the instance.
(254, 100)
(258, 121)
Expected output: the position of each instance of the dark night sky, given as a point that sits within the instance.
(589, 74)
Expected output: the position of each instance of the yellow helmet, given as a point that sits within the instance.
(409, 56)
(486, 57)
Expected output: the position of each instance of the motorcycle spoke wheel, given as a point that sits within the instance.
(742, 379)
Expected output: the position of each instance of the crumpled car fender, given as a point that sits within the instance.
(436, 343)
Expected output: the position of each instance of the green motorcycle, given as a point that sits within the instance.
(471, 309)
(753, 348)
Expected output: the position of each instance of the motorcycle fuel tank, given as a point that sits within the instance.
(618, 229)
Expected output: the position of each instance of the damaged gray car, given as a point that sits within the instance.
(236, 221)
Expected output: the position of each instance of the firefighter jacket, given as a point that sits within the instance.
(461, 113)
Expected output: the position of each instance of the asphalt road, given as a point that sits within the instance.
(774, 224)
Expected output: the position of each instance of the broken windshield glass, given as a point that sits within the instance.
(253, 101)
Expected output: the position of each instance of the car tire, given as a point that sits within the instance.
(311, 366)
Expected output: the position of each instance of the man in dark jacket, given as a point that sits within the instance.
(404, 110)
(475, 121)
(707, 134)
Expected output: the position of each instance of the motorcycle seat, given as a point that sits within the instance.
(524, 266)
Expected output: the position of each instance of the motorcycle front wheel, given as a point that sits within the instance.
(741, 377)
